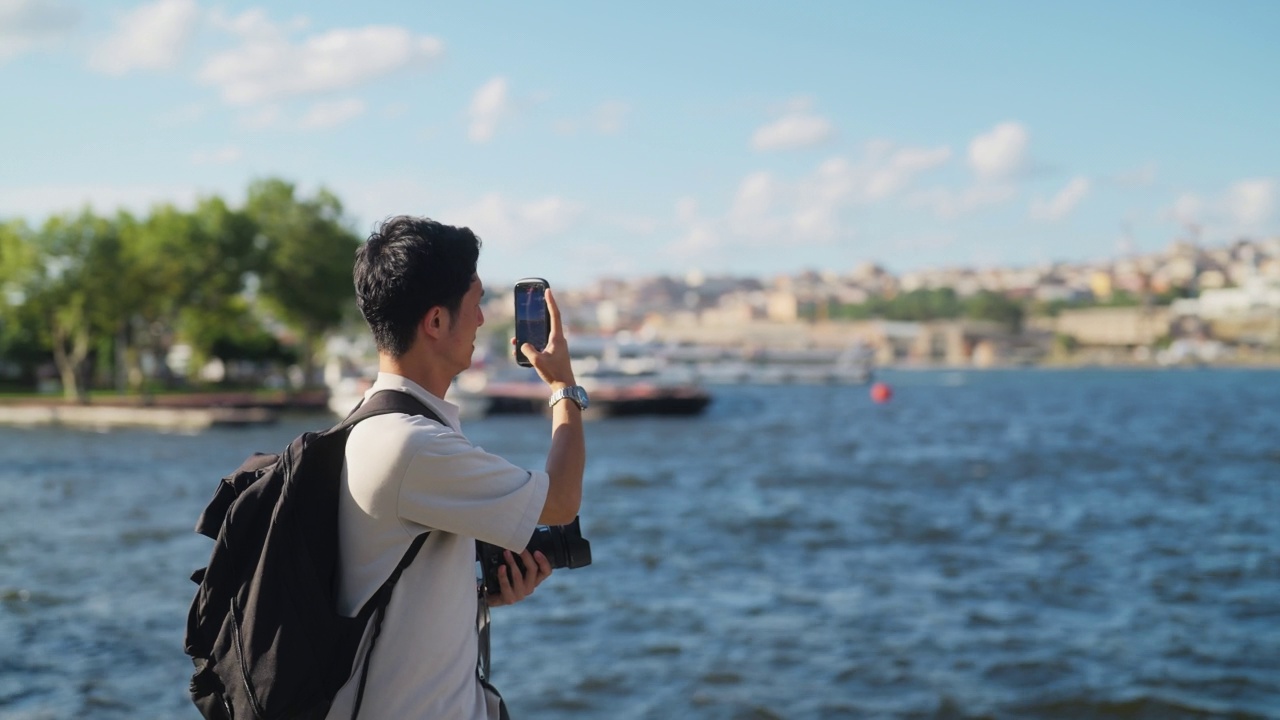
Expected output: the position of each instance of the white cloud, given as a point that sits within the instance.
(634, 224)
(548, 216)
(698, 241)
(686, 209)
(182, 116)
(224, 155)
(488, 106)
(27, 25)
(835, 181)
(370, 201)
(902, 167)
(950, 204)
(1188, 208)
(516, 224)
(1250, 203)
(929, 241)
(756, 193)
(261, 118)
(817, 200)
(814, 208)
(1062, 204)
(1144, 176)
(794, 130)
(753, 213)
(269, 66)
(1244, 206)
(149, 37)
(1001, 153)
(698, 238)
(332, 113)
(607, 119)
(815, 223)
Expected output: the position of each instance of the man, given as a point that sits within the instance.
(417, 287)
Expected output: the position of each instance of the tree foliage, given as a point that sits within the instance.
(22, 345)
(79, 291)
(936, 304)
(305, 255)
(91, 293)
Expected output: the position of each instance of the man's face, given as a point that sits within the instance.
(462, 332)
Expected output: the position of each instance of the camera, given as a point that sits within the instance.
(563, 545)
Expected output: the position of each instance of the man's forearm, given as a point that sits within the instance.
(566, 461)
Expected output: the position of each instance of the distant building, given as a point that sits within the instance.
(1114, 327)
(1100, 285)
(1255, 296)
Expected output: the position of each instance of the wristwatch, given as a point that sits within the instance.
(576, 393)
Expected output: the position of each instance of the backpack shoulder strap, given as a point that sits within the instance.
(385, 402)
(381, 599)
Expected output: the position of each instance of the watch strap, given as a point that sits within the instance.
(576, 393)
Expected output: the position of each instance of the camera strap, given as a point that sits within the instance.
(482, 629)
(482, 621)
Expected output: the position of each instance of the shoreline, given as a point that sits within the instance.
(195, 412)
(177, 412)
(100, 417)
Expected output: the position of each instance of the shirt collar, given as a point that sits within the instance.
(445, 409)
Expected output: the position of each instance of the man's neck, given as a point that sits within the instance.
(430, 376)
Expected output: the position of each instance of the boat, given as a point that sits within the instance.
(613, 394)
(623, 379)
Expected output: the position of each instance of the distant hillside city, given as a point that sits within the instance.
(1186, 304)
(224, 297)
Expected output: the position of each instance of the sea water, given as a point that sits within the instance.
(1008, 544)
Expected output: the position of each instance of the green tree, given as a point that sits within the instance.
(922, 305)
(78, 291)
(232, 333)
(305, 254)
(226, 256)
(996, 307)
(20, 327)
(181, 266)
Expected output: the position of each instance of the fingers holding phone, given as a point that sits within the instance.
(539, 342)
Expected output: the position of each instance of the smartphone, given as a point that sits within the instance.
(533, 320)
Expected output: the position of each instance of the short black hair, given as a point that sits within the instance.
(406, 267)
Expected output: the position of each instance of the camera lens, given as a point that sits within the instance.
(563, 546)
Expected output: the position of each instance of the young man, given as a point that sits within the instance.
(417, 287)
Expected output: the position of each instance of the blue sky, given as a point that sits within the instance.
(588, 139)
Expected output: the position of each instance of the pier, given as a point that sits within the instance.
(108, 417)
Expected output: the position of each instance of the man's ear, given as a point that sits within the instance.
(434, 324)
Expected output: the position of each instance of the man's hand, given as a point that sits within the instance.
(552, 363)
(516, 585)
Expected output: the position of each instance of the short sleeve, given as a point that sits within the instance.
(452, 485)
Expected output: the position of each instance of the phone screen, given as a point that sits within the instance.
(532, 319)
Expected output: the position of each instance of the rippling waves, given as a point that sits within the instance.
(1026, 544)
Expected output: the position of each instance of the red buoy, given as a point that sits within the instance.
(881, 392)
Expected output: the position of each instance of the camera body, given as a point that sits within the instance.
(563, 545)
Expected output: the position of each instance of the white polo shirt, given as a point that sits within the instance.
(405, 475)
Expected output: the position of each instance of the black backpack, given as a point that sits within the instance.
(263, 630)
